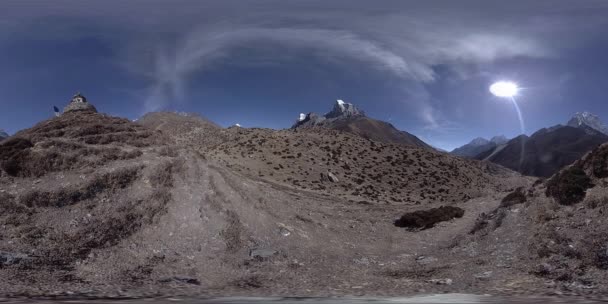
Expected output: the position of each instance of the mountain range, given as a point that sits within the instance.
(479, 145)
(544, 152)
(347, 117)
(3, 134)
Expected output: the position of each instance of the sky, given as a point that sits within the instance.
(424, 66)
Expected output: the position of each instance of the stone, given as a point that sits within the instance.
(483, 275)
(424, 260)
(11, 258)
(332, 177)
(178, 279)
(262, 253)
(441, 281)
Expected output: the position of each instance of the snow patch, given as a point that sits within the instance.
(590, 120)
(341, 103)
(302, 117)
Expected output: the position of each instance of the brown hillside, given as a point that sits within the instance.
(366, 170)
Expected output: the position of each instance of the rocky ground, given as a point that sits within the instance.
(96, 205)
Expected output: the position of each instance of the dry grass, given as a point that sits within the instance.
(73, 141)
(118, 179)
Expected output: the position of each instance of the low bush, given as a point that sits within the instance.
(599, 162)
(425, 219)
(67, 196)
(595, 251)
(516, 197)
(569, 186)
(19, 160)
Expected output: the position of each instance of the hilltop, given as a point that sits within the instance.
(347, 117)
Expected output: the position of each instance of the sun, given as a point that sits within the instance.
(504, 89)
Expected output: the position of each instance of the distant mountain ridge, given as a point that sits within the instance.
(347, 117)
(479, 145)
(549, 149)
(586, 119)
(3, 134)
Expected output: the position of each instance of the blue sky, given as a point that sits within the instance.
(424, 66)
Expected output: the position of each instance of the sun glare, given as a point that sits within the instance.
(504, 89)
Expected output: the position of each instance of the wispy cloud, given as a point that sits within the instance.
(404, 39)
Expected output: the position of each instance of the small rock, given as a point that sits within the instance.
(11, 258)
(184, 280)
(362, 261)
(483, 275)
(262, 253)
(332, 177)
(284, 231)
(424, 260)
(441, 281)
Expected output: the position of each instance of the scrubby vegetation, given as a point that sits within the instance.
(118, 179)
(569, 186)
(516, 197)
(73, 141)
(599, 162)
(425, 219)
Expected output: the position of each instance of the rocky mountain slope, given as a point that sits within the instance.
(347, 117)
(73, 186)
(549, 149)
(102, 206)
(588, 120)
(364, 170)
(546, 151)
(478, 146)
(189, 129)
(554, 230)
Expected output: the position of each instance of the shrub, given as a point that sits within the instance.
(480, 223)
(569, 186)
(67, 196)
(516, 197)
(12, 155)
(599, 161)
(501, 214)
(14, 146)
(595, 251)
(163, 175)
(425, 219)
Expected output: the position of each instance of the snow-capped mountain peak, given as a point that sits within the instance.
(587, 119)
(302, 117)
(344, 109)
